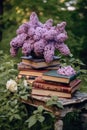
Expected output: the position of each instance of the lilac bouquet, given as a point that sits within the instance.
(40, 39)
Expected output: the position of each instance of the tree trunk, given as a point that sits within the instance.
(1, 15)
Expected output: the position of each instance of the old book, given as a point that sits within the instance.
(32, 72)
(57, 86)
(52, 75)
(71, 84)
(39, 63)
(23, 66)
(49, 93)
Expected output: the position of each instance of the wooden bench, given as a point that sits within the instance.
(77, 102)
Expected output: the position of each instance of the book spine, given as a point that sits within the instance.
(23, 67)
(74, 82)
(40, 63)
(51, 87)
(40, 80)
(48, 93)
(27, 67)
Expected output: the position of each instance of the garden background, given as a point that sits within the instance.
(15, 12)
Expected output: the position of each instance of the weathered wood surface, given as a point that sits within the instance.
(78, 97)
(77, 102)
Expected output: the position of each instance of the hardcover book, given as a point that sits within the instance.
(52, 75)
(49, 93)
(71, 84)
(23, 66)
(32, 72)
(57, 87)
(39, 63)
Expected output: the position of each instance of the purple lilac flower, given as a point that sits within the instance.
(50, 35)
(39, 47)
(34, 20)
(49, 52)
(18, 40)
(38, 34)
(27, 48)
(31, 32)
(48, 24)
(61, 27)
(68, 70)
(22, 28)
(63, 48)
(13, 51)
(61, 37)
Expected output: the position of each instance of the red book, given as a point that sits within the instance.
(74, 85)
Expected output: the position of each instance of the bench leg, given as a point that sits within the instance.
(58, 125)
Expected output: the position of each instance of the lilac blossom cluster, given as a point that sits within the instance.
(68, 70)
(41, 39)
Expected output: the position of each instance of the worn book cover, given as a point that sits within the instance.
(52, 75)
(32, 72)
(24, 66)
(57, 87)
(39, 63)
(49, 93)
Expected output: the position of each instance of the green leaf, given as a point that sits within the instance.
(41, 118)
(32, 121)
(24, 97)
(59, 105)
(54, 98)
(40, 108)
(17, 116)
(71, 55)
(85, 79)
(83, 71)
(54, 101)
(11, 118)
(50, 103)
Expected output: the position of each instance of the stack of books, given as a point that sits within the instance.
(44, 77)
(30, 67)
(53, 84)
